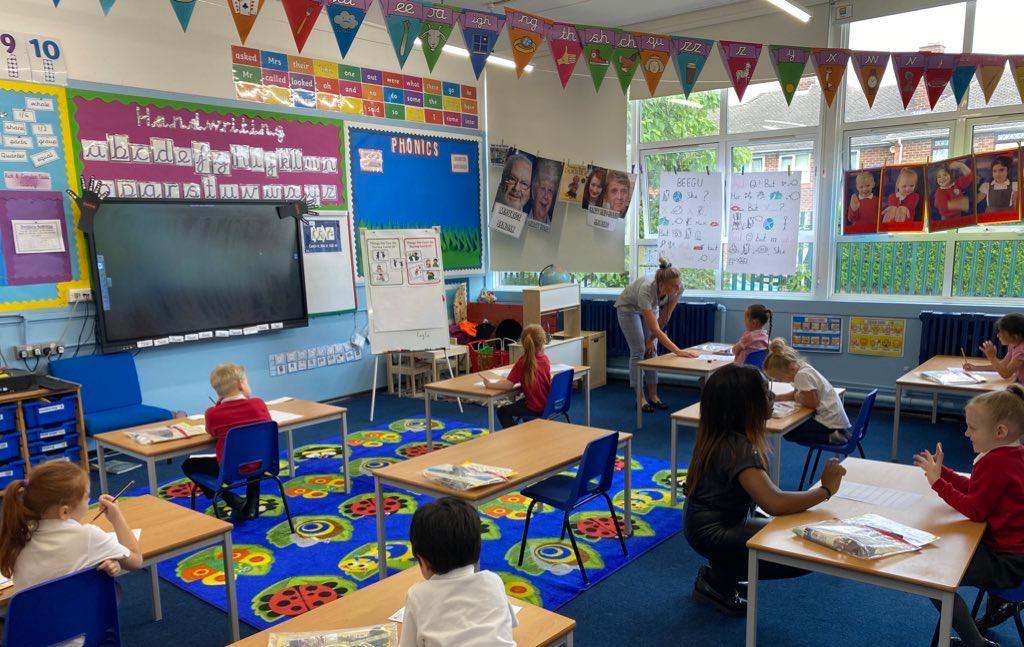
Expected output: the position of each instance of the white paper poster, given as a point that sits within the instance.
(764, 223)
(690, 219)
(37, 236)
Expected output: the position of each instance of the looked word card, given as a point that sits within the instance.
(690, 219)
(817, 334)
(28, 57)
(764, 223)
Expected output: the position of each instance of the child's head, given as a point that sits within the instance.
(55, 490)
(1001, 168)
(667, 279)
(782, 362)
(532, 339)
(445, 535)
(1010, 328)
(995, 418)
(229, 379)
(865, 183)
(906, 182)
(758, 316)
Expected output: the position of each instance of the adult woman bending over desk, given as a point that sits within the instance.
(728, 476)
(643, 309)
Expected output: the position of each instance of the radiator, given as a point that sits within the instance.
(691, 324)
(946, 333)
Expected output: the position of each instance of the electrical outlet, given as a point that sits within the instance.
(79, 295)
(43, 349)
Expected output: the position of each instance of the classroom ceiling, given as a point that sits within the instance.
(609, 13)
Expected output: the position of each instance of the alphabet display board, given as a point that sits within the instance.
(404, 273)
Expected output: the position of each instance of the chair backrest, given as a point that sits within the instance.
(598, 462)
(79, 604)
(860, 427)
(756, 358)
(108, 381)
(560, 394)
(250, 450)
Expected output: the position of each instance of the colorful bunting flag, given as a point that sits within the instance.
(1017, 70)
(938, 70)
(598, 47)
(183, 10)
(106, 6)
(346, 17)
(740, 60)
(654, 52)
(789, 63)
(625, 58)
(962, 75)
(480, 30)
(830, 66)
(244, 13)
(870, 68)
(690, 54)
(438, 20)
(526, 31)
(909, 68)
(404, 20)
(566, 49)
(55, 3)
(302, 15)
(989, 70)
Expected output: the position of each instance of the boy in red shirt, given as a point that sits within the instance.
(863, 211)
(234, 408)
(532, 372)
(993, 494)
(952, 198)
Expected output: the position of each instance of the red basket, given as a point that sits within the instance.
(486, 354)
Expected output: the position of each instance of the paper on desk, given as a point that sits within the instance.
(283, 416)
(714, 358)
(197, 416)
(783, 409)
(279, 400)
(712, 347)
(882, 496)
(202, 456)
(137, 532)
(558, 368)
(988, 376)
(399, 616)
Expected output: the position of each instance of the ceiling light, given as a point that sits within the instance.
(464, 53)
(791, 9)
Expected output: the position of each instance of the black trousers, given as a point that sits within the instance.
(208, 466)
(725, 548)
(811, 431)
(509, 412)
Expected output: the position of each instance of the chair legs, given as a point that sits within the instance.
(566, 414)
(807, 463)
(814, 470)
(861, 450)
(284, 500)
(615, 520)
(575, 549)
(974, 614)
(193, 496)
(526, 530)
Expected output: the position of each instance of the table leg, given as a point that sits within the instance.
(776, 458)
(586, 397)
(627, 495)
(154, 584)
(896, 422)
(672, 459)
(568, 640)
(344, 452)
(751, 598)
(229, 582)
(151, 471)
(637, 379)
(291, 454)
(490, 416)
(935, 407)
(382, 553)
(945, 619)
(426, 419)
(101, 459)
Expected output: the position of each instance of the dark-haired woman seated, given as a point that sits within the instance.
(728, 477)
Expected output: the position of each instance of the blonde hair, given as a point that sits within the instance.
(1005, 407)
(532, 339)
(53, 484)
(226, 378)
(780, 356)
(665, 271)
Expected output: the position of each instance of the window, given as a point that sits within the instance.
(898, 147)
(764, 107)
(997, 31)
(986, 138)
(673, 118)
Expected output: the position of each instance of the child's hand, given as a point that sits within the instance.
(969, 367)
(110, 507)
(931, 464)
(832, 475)
(988, 349)
(110, 566)
(854, 203)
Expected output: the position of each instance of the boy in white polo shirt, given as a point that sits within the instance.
(456, 606)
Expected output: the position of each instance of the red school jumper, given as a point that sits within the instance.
(228, 414)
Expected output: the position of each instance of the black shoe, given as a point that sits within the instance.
(997, 612)
(660, 405)
(703, 591)
(233, 501)
(957, 642)
(647, 407)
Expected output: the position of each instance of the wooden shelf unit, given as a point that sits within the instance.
(21, 398)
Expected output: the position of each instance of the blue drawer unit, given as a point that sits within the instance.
(41, 451)
(11, 472)
(45, 414)
(9, 446)
(8, 416)
(52, 434)
(71, 455)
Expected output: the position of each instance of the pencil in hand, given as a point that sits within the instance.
(116, 496)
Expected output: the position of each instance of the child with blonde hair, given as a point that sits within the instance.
(830, 423)
(902, 204)
(532, 372)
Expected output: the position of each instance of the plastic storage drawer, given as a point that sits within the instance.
(11, 471)
(40, 452)
(8, 415)
(9, 446)
(52, 434)
(71, 455)
(44, 414)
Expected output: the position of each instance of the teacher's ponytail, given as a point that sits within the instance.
(665, 271)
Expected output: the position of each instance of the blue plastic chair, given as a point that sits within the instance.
(566, 492)
(857, 434)
(1010, 595)
(756, 358)
(79, 604)
(250, 451)
(559, 398)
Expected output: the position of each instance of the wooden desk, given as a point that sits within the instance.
(670, 363)
(913, 381)
(535, 450)
(933, 572)
(311, 413)
(470, 387)
(169, 530)
(374, 604)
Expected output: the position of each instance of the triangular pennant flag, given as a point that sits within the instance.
(1017, 70)
(990, 69)
(56, 2)
(183, 10)
(346, 17)
(106, 6)
(598, 46)
(654, 52)
(909, 68)
(244, 13)
(302, 15)
(566, 49)
(404, 21)
(938, 70)
(830, 66)
(438, 20)
(870, 68)
(526, 31)
(740, 61)
(625, 58)
(962, 75)
(690, 54)
(480, 30)
(789, 63)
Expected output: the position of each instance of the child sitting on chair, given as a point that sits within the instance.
(235, 407)
(532, 372)
(457, 605)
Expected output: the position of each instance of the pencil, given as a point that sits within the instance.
(964, 355)
(123, 490)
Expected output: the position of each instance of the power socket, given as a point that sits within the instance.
(44, 349)
(80, 295)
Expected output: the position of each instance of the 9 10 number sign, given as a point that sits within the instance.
(27, 57)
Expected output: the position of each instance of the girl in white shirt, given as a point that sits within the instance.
(44, 536)
(830, 423)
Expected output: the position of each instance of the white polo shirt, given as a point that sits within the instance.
(461, 608)
(60, 548)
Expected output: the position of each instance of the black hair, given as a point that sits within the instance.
(1011, 324)
(446, 533)
(1004, 161)
(761, 314)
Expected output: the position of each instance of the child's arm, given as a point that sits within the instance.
(125, 537)
(778, 502)
(957, 480)
(1006, 367)
(497, 383)
(984, 488)
(808, 399)
(409, 629)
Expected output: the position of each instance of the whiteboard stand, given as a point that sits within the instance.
(376, 364)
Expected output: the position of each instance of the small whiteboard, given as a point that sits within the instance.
(327, 258)
(405, 289)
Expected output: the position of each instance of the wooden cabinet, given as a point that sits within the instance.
(595, 355)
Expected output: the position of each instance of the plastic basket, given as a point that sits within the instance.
(486, 354)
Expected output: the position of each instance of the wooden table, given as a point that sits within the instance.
(535, 450)
(312, 413)
(374, 604)
(170, 530)
(913, 381)
(777, 428)
(933, 572)
(471, 388)
(670, 363)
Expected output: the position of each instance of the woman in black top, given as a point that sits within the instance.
(728, 477)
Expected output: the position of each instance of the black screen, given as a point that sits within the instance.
(166, 268)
